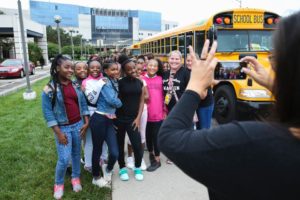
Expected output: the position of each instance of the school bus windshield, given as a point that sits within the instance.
(244, 40)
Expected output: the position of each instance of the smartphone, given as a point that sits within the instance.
(230, 70)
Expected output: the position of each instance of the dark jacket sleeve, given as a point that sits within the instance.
(202, 154)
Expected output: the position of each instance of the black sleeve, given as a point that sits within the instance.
(202, 154)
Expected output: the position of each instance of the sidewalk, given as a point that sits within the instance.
(167, 182)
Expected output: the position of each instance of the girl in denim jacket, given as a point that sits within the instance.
(65, 111)
(102, 128)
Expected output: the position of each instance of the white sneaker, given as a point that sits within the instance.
(143, 165)
(107, 175)
(130, 163)
(100, 182)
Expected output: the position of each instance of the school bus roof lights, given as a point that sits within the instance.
(272, 20)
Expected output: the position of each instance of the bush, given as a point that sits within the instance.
(35, 52)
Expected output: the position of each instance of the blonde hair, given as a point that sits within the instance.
(175, 52)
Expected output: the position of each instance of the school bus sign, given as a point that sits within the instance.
(250, 20)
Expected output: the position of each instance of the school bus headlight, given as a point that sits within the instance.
(255, 93)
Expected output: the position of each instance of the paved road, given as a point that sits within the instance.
(9, 85)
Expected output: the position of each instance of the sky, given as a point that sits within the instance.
(182, 11)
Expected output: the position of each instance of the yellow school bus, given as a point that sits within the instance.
(239, 32)
(132, 50)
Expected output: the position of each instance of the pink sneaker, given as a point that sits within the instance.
(76, 184)
(58, 191)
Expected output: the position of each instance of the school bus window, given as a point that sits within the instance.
(232, 40)
(167, 45)
(158, 46)
(174, 43)
(155, 47)
(162, 46)
(260, 40)
(181, 43)
(199, 41)
(189, 41)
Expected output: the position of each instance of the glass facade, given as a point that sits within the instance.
(109, 22)
(149, 20)
(44, 12)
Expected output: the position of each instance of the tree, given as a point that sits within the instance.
(52, 36)
(35, 53)
(52, 49)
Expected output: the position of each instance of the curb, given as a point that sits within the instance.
(23, 85)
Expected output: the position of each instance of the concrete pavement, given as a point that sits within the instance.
(167, 182)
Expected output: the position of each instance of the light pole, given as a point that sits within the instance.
(57, 20)
(240, 2)
(29, 94)
(72, 45)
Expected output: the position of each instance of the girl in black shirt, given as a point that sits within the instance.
(129, 116)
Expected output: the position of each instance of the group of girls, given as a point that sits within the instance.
(89, 108)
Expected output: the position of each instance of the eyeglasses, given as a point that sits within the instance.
(140, 62)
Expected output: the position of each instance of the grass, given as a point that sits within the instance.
(28, 153)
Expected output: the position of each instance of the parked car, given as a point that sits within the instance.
(15, 68)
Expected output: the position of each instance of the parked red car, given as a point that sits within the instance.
(15, 68)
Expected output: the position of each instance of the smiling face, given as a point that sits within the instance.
(112, 71)
(152, 68)
(65, 70)
(189, 62)
(94, 69)
(175, 61)
(130, 70)
(80, 70)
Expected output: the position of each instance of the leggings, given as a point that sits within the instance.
(151, 136)
(135, 139)
(103, 130)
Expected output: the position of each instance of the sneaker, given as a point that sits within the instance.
(138, 174)
(58, 191)
(123, 174)
(153, 166)
(143, 165)
(130, 162)
(76, 184)
(88, 169)
(82, 161)
(106, 174)
(100, 182)
(151, 158)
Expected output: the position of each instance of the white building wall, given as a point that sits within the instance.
(85, 26)
(145, 33)
(167, 25)
(135, 29)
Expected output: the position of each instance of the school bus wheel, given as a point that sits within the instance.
(225, 104)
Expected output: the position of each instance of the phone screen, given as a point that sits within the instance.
(230, 70)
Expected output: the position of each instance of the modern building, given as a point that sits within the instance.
(10, 31)
(103, 27)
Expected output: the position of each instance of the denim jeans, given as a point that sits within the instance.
(69, 151)
(103, 130)
(205, 116)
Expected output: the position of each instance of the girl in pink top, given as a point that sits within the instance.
(155, 110)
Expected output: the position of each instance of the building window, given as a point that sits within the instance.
(167, 26)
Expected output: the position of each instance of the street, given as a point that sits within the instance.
(8, 85)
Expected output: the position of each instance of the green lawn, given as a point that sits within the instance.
(28, 153)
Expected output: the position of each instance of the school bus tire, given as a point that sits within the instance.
(225, 104)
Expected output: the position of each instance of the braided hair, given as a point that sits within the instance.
(58, 60)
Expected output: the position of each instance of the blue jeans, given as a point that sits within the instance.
(205, 116)
(66, 152)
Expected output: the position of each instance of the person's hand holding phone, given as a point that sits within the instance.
(259, 74)
(202, 74)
